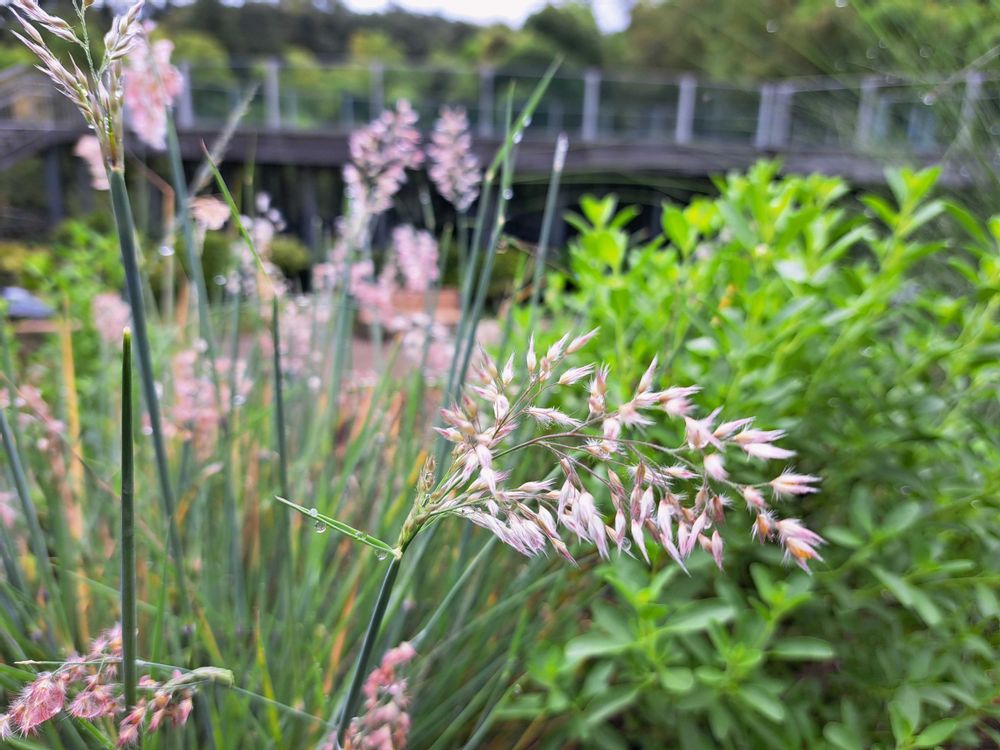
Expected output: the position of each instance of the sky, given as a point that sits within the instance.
(611, 14)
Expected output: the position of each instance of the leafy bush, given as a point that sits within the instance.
(877, 340)
(289, 254)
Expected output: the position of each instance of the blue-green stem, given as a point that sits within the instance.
(371, 635)
(128, 600)
(133, 283)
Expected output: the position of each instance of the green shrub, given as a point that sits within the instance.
(874, 333)
(289, 254)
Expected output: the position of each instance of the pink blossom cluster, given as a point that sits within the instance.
(676, 496)
(301, 319)
(36, 418)
(88, 148)
(209, 213)
(195, 412)
(8, 513)
(111, 315)
(151, 86)
(411, 265)
(416, 256)
(385, 724)
(381, 152)
(454, 168)
(424, 335)
(86, 687)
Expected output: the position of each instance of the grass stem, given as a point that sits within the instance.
(128, 600)
(133, 282)
(371, 635)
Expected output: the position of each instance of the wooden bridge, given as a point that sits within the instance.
(635, 124)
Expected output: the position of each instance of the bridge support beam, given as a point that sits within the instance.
(591, 105)
(687, 90)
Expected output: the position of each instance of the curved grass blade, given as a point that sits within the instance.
(342, 528)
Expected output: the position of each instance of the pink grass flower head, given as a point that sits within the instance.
(416, 257)
(88, 148)
(151, 86)
(454, 168)
(111, 315)
(385, 723)
(97, 93)
(602, 483)
(38, 702)
(210, 213)
(381, 152)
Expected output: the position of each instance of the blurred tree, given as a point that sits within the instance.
(371, 46)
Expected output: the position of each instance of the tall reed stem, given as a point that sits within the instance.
(129, 624)
(371, 635)
(133, 282)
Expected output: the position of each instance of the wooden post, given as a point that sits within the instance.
(591, 104)
(185, 104)
(687, 90)
(272, 94)
(487, 96)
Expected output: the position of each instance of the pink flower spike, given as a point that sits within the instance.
(699, 433)
(716, 548)
(715, 467)
(790, 483)
(581, 341)
(38, 702)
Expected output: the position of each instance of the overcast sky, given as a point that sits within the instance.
(611, 14)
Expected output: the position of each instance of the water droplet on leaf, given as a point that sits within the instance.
(319, 527)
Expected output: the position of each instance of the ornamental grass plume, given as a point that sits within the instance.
(385, 723)
(416, 256)
(88, 687)
(454, 168)
(98, 92)
(111, 314)
(381, 152)
(605, 486)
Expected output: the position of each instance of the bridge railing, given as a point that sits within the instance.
(846, 114)
(877, 114)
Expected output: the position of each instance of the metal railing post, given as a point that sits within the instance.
(185, 104)
(967, 118)
(687, 90)
(865, 122)
(765, 115)
(591, 104)
(272, 94)
(376, 94)
(781, 115)
(487, 95)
